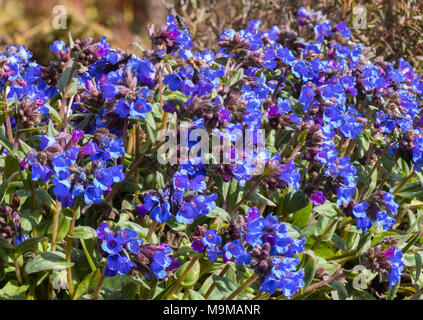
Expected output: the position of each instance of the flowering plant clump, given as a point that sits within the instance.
(275, 168)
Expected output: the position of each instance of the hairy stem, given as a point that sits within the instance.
(55, 226)
(99, 285)
(69, 241)
(245, 285)
(213, 285)
(177, 286)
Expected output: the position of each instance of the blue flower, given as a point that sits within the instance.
(344, 195)
(253, 213)
(186, 213)
(395, 273)
(211, 238)
(322, 29)
(92, 194)
(139, 109)
(161, 260)
(119, 264)
(47, 141)
(37, 171)
(389, 198)
(307, 96)
(213, 253)
(20, 238)
(122, 108)
(291, 175)
(113, 245)
(61, 187)
(173, 81)
(159, 211)
(116, 172)
(235, 251)
(385, 220)
(342, 28)
(102, 179)
(57, 46)
(104, 231)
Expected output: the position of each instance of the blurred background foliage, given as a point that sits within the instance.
(394, 27)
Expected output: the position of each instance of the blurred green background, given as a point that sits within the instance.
(394, 27)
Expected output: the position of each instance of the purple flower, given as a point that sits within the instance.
(253, 213)
(141, 210)
(317, 198)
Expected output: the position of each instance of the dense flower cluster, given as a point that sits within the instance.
(336, 124)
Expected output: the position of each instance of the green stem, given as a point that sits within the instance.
(213, 285)
(7, 116)
(99, 285)
(134, 167)
(55, 226)
(324, 234)
(339, 274)
(177, 286)
(17, 271)
(228, 63)
(87, 254)
(245, 285)
(63, 107)
(246, 196)
(69, 241)
(153, 226)
(404, 181)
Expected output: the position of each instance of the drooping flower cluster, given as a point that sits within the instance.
(331, 128)
(63, 161)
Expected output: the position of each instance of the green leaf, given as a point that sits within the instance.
(194, 295)
(217, 211)
(192, 275)
(328, 209)
(83, 232)
(119, 288)
(63, 227)
(28, 245)
(418, 265)
(362, 295)
(294, 201)
(5, 185)
(68, 80)
(11, 165)
(5, 244)
(260, 199)
(411, 190)
(185, 250)
(47, 261)
(44, 197)
(235, 77)
(225, 285)
(300, 217)
(324, 250)
(14, 291)
(53, 114)
(363, 146)
(342, 291)
(310, 268)
(340, 243)
(392, 292)
(4, 141)
(404, 170)
(88, 282)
